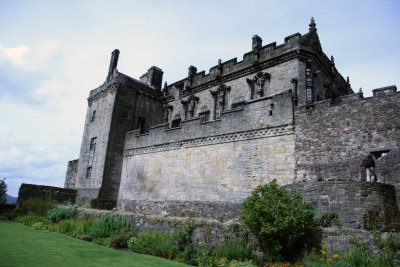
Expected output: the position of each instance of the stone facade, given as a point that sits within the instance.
(205, 142)
(27, 191)
(72, 171)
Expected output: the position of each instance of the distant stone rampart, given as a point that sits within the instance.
(27, 191)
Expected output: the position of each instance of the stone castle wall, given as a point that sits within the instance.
(354, 202)
(27, 191)
(332, 140)
(72, 171)
(221, 161)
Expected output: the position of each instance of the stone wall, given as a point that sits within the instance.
(213, 232)
(27, 191)
(222, 168)
(332, 140)
(72, 171)
(354, 202)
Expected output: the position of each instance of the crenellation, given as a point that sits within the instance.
(283, 112)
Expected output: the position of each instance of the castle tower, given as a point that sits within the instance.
(120, 105)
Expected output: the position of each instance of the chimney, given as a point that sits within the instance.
(113, 64)
(154, 77)
(257, 42)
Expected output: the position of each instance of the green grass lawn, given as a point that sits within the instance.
(23, 246)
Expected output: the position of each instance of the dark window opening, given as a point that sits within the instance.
(380, 154)
(205, 117)
(88, 172)
(93, 143)
(93, 116)
(270, 112)
(141, 125)
(125, 116)
(176, 123)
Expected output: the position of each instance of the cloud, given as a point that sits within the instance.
(14, 54)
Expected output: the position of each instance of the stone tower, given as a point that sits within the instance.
(120, 105)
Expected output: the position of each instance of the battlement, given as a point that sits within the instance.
(261, 57)
(379, 94)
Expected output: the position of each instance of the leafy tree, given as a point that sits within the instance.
(3, 190)
(280, 220)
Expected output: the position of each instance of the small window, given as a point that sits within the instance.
(238, 103)
(141, 125)
(125, 116)
(88, 172)
(93, 116)
(93, 143)
(176, 123)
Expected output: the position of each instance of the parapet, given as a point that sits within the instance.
(385, 91)
(260, 57)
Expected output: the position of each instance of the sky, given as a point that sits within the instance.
(52, 53)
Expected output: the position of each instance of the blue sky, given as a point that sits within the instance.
(52, 53)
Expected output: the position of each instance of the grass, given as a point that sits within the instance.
(24, 246)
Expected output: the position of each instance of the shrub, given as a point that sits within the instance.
(234, 252)
(31, 219)
(106, 225)
(154, 243)
(279, 219)
(119, 240)
(39, 226)
(38, 206)
(327, 220)
(56, 215)
(74, 227)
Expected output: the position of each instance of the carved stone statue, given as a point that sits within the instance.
(220, 98)
(258, 82)
(309, 85)
(167, 111)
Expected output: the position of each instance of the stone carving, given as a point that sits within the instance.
(257, 84)
(189, 105)
(309, 85)
(165, 89)
(312, 25)
(167, 112)
(220, 94)
(294, 90)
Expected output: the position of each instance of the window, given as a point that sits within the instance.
(205, 114)
(141, 125)
(88, 172)
(93, 143)
(238, 102)
(93, 116)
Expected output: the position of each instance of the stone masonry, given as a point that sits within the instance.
(203, 143)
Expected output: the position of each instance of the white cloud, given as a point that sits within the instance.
(14, 54)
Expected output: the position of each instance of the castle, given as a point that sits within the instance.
(205, 142)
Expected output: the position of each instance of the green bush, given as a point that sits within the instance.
(74, 227)
(327, 220)
(31, 219)
(154, 243)
(38, 206)
(119, 240)
(280, 220)
(234, 252)
(106, 225)
(39, 226)
(56, 215)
